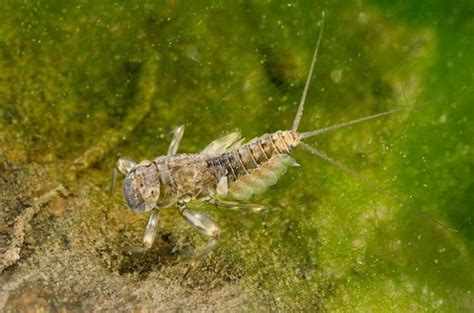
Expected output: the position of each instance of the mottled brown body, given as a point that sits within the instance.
(197, 175)
(246, 158)
(183, 176)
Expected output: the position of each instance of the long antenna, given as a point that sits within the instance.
(297, 120)
(362, 119)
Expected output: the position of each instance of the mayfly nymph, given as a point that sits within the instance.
(227, 169)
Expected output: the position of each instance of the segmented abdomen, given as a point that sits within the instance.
(252, 167)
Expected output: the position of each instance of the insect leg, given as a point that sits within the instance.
(233, 205)
(123, 166)
(205, 226)
(222, 187)
(113, 180)
(150, 230)
(175, 141)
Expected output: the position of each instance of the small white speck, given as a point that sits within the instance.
(443, 118)
(363, 17)
(336, 75)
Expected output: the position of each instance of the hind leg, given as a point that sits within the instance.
(205, 226)
(233, 205)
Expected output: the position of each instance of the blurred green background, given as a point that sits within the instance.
(84, 80)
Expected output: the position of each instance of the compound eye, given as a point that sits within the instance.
(142, 188)
(150, 193)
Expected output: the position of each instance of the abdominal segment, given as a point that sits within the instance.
(261, 178)
(252, 168)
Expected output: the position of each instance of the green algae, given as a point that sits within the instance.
(81, 82)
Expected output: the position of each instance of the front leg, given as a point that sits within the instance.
(150, 230)
(176, 140)
(123, 166)
(205, 226)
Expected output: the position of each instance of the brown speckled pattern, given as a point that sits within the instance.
(197, 175)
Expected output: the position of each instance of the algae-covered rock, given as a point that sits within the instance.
(82, 83)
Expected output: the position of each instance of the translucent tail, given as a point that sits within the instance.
(330, 160)
(297, 120)
(362, 119)
(373, 185)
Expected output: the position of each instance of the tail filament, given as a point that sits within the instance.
(297, 120)
(362, 119)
